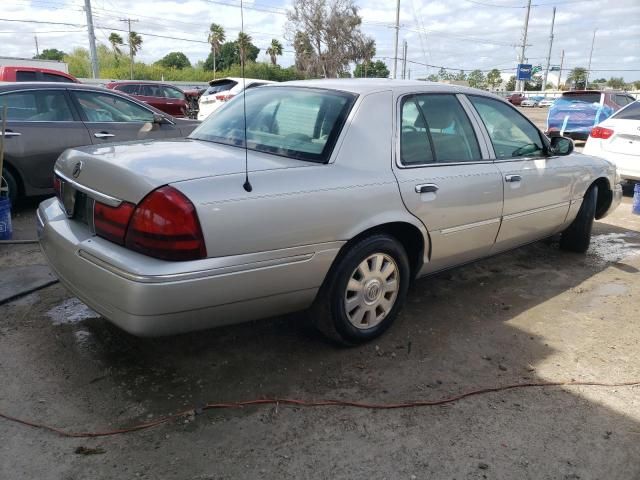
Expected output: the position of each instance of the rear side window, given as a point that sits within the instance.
(26, 76)
(220, 86)
(51, 77)
(300, 123)
(435, 128)
(511, 134)
(37, 106)
(130, 89)
(151, 90)
(632, 112)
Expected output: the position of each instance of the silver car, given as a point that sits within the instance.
(352, 189)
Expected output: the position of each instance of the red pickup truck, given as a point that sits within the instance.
(34, 74)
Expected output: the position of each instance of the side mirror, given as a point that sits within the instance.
(159, 119)
(561, 146)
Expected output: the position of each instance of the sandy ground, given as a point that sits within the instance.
(534, 314)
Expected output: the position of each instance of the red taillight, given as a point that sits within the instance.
(57, 186)
(165, 225)
(224, 97)
(601, 132)
(111, 222)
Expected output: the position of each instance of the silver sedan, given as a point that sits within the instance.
(336, 195)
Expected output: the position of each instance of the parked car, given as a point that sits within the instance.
(34, 74)
(546, 102)
(617, 139)
(222, 90)
(576, 112)
(352, 190)
(193, 97)
(531, 101)
(44, 119)
(515, 98)
(166, 98)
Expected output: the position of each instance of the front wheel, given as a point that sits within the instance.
(364, 291)
(577, 237)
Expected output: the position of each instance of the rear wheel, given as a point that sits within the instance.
(577, 237)
(364, 291)
(10, 183)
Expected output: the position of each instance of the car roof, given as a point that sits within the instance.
(7, 86)
(370, 85)
(239, 80)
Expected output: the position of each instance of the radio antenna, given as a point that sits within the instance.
(247, 184)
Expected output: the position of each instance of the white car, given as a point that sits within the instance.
(617, 139)
(529, 102)
(223, 90)
(546, 102)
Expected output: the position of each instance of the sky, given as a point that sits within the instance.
(461, 34)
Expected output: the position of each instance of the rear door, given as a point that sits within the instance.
(537, 188)
(41, 124)
(446, 178)
(112, 118)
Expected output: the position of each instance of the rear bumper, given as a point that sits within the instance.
(615, 200)
(150, 297)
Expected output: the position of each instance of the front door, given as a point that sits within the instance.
(111, 118)
(41, 124)
(537, 188)
(445, 179)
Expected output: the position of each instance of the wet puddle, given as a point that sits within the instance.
(71, 311)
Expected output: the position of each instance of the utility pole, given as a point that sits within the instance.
(560, 72)
(37, 49)
(92, 39)
(593, 40)
(546, 70)
(404, 60)
(395, 55)
(521, 83)
(128, 22)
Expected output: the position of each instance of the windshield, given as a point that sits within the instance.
(220, 86)
(300, 123)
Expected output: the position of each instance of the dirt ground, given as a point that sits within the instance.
(531, 315)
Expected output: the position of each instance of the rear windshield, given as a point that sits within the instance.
(220, 86)
(300, 123)
(631, 112)
(582, 97)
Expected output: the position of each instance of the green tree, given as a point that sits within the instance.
(116, 41)
(377, 69)
(216, 39)
(600, 80)
(243, 41)
(433, 77)
(511, 84)
(578, 76)
(460, 76)
(175, 60)
(79, 62)
(476, 79)
(229, 55)
(636, 85)
(305, 53)
(494, 79)
(51, 54)
(617, 83)
(135, 43)
(367, 50)
(444, 75)
(274, 51)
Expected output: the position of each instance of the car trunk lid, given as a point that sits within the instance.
(625, 138)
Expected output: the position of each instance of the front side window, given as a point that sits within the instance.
(103, 107)
(301, 123)
(170, 92)
(435, 128)
(511, 133)
(37, 106)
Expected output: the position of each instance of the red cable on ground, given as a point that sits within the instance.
(308, 403)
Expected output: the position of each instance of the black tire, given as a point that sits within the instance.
(12, 184)
(329, 311)
(577, 237)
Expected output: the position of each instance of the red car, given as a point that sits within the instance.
(164, 97)
(515, 98)
(34, 74)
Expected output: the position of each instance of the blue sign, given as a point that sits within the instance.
(524, 71)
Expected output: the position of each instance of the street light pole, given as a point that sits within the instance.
(560, 72)
(521, 83)
(92, 39)
(546, 70)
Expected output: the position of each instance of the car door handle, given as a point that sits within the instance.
(512, 178)
(103, 135)
(427, 188)
(9, 133)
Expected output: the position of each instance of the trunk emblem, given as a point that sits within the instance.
(77, 168)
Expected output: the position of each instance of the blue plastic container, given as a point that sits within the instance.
(5, 219)
(636, 199)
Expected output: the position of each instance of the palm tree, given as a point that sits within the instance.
(135, 43)
(274, 50)
(116, 42)
(216, 39)
(367, 53)
(244, 41)
(578, 75)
